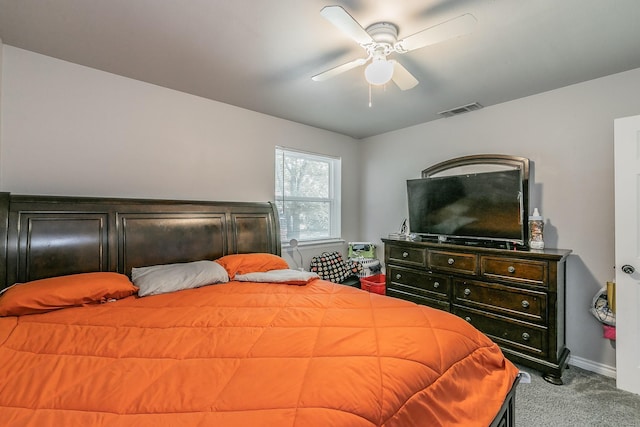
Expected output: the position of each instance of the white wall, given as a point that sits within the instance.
(568, 134)
(73, 130)
(1, 51)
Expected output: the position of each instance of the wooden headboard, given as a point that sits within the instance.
(46, 236)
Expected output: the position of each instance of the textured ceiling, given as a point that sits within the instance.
(261, 54)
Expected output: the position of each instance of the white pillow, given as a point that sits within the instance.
(288, 276)
(160, 279)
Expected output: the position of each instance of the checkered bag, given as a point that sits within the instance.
(330, 266)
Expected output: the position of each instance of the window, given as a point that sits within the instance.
(307, 195)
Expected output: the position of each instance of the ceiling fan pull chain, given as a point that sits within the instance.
(370, 95)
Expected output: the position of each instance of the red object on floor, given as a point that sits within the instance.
(609, 332)
(375, 284)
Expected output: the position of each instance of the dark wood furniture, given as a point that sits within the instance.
(46, 236)
(517, 298)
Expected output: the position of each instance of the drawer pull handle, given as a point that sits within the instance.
(398, 276)
(526, 336)
(436, 285)
(468, 319)
(511, 269)
(525, 303)
(450, 261)
(405, 254)
(467, 292)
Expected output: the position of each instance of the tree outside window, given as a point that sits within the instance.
(307, 195)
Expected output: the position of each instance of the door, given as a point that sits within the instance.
(627, 247)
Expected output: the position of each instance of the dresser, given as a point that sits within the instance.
(515, 297)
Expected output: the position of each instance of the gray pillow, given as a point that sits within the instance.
(160, 279)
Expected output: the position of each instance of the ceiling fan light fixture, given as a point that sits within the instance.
(379, 72)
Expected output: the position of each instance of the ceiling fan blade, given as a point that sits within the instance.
(345, 22)
(403, 78)
(452, 28)
(339, 69)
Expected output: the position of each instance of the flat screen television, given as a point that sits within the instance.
(487, 207)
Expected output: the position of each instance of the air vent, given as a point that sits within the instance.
(460, 110)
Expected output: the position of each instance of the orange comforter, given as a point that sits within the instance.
(250, 354)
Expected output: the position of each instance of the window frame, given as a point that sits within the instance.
(333, 197)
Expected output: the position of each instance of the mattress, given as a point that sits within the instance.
(250, 354)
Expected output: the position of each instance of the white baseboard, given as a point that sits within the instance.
(589, 365)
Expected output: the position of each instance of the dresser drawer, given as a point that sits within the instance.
(513, 302)
(416, 257)
(455, 262)
(505, 332)
(419, 282)
(515, 270)
(398, 291)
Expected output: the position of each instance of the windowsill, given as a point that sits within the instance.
(312, 243)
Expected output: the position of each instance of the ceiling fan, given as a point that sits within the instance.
(380, 39)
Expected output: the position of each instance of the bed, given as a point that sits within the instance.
(90, 351)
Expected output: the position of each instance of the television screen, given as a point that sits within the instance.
(485, 206)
